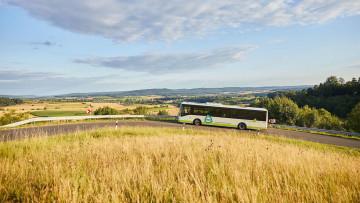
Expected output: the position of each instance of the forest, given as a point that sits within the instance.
(335, 95)
(334, 105)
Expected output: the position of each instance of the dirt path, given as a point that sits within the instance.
(22, 133)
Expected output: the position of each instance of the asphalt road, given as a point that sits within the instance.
(22, 133)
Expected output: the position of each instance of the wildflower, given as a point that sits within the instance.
(30, 160)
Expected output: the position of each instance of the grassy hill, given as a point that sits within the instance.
(166, 164)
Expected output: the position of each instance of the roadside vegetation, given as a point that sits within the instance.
(287, 112)
(165, 164)
(139, 110)
(335, 95)
(12, 117)
(328, 95)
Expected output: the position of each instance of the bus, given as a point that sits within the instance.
(223, 115)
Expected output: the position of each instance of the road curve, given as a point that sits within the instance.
(22, 133)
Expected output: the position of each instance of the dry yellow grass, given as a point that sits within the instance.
(163, 164)
(74, 106)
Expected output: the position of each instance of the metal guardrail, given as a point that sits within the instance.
(33, 120)
(317, 130)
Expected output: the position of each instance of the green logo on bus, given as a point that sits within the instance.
(255, 120)
(208, 119)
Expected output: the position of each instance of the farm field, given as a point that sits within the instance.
(58, 113)
(72, 108)
(167, 164)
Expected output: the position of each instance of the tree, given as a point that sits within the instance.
(353, 119)
(328, 121)
(342, 81)
(107, 110)
(141, 110)
(335, 95)
(283, 109)
(309, 117)
(332, 80)
(8, 102)
(287, 112)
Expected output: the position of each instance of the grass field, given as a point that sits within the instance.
(165, 164)
(58, 113)
(34, 107)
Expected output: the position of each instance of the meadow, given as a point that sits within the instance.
(166, 164)
(58, 113)
(55, 109)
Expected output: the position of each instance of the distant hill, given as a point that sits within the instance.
(18, 96)
(185, 92)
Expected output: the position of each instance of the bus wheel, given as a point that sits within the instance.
(197, 122)
(242, 126)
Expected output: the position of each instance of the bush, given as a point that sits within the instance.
(353, 119)
(126, 111)
(107, 110)
(141, 110)
(12, 117)
(163, 112)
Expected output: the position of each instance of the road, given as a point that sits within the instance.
(22, 133)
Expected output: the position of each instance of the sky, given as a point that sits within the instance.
(60, 46)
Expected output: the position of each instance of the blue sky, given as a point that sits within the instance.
(56, 47)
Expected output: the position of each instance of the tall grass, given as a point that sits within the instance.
(164, 164)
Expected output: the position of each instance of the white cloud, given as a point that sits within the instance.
(168, 63)
(275, 41)
(124, 21)
(18, 75)
(41, 83)
(354, 64)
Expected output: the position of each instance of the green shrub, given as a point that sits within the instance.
(126, 111)
(141, 110)
(107, 110)
(12, 117)
(163, 112)
(353, 119)
(287, 112)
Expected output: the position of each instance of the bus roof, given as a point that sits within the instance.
(223, 106)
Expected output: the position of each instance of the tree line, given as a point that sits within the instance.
(335, 95)
(8, 102)
(139, 110)
(314, 107)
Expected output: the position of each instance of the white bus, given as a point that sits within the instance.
(223, 115)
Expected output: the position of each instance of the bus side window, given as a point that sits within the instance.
(185, 111)
(217, 112)
(224, 113)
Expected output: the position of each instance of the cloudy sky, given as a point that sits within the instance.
(60, 46)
